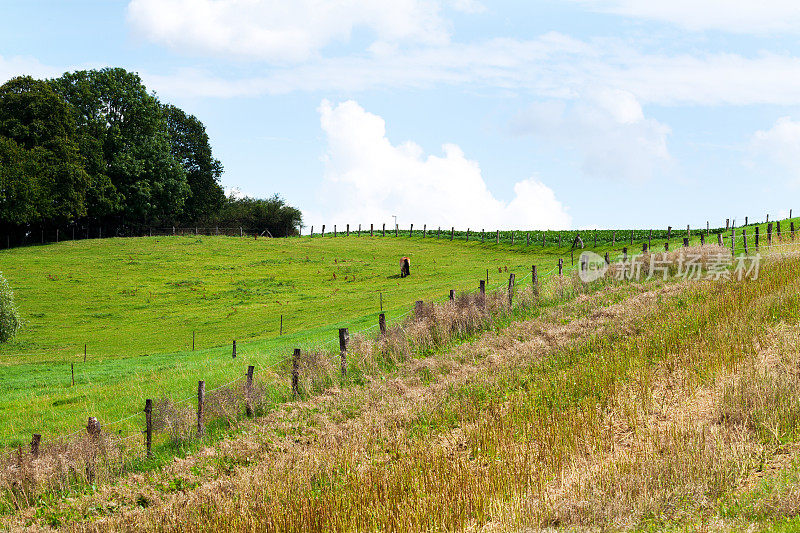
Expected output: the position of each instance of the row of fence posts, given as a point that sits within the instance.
(93, 426)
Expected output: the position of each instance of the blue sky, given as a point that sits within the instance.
(547, 114)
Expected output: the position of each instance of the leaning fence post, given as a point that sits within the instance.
(534, 280)
(344, 338)
(296, 372)
(201, 400)
(249, 391)
(511, 289)
(35, 445)
(382, 323)
(148, 426)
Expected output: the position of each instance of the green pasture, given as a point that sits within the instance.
(136, 303)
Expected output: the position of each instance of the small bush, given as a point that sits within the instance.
(9, 316)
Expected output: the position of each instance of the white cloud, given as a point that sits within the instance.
(551, 66)
(282, 31)
(11, 67)
(608, 128)
(738, 16)
(778, 146)
(368, 179)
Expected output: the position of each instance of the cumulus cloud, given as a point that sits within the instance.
(368, 179)
(281, 31)
(763, 16)
(779, 147)
(608, 128)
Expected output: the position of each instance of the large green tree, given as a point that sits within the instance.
(42, 174)
(112, 106)
(192, 149)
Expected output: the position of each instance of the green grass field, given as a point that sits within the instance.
(136, 304)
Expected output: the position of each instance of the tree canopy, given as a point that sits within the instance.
(96, 146)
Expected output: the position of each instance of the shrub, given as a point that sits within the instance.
(9, 316)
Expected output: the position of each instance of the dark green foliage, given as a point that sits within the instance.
(258, 215)
(93, 147)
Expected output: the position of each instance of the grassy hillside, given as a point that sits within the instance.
(136, 302)
(661, 405)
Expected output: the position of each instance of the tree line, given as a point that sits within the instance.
(94, 147)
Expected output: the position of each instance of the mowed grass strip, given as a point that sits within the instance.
(137, 301)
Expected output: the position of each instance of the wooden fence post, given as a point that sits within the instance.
(745, 221)
(418, 309)
(744, 240)
(483, 234)
(686, 242)
(452, 295)
(93, 429)
(249, 391)
(624, 254)
(452, 233)
(644, 247)
(323, 230)
(334, 230)
(439, 232)
(560, 267)
(688, 233)
(534, 280)
(396, 230)
(467, 234)
(702, 239)
(344, 338)
(37, 438)
(347, 229)
(233, 355)
(669, 232)
(769, 234)
(296, 372)
(382, 323)
(371, 230)
(383, 234)
(312, 232)
(72, 370)
(482, 287)
(148, 426)
(201, 400)
(411, 230)
(756, 238)
(666, 246)
(359, 231)
(511, 290)
(719, 239)
(497, 238)
(595, 238)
